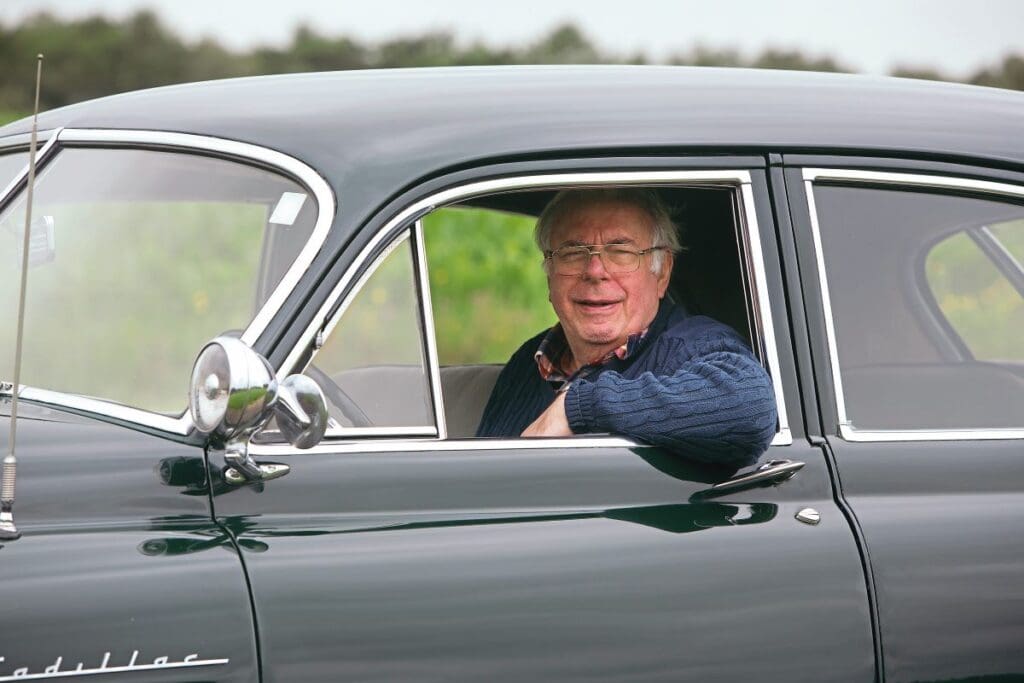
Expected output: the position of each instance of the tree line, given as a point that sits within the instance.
(95, 56)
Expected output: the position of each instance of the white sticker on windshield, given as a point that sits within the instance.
(288, 207)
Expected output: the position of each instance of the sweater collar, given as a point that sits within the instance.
(553, 353)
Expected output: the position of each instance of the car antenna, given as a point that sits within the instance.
(8, 531)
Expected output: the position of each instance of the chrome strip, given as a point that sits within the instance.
(42, 156)
(427, 311)
(85, 404)
(849, 433)
(916, 179)
(433, 445)
(114, 669)
(288, 165)
(826, 302)
(760, 292)
(735, 179)
(845, 427)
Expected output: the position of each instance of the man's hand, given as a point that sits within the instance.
(552, 422)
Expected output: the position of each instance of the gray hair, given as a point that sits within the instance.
(664, 232)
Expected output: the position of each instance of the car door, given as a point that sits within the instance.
(120, 568)
(397, 550)
(915, 295)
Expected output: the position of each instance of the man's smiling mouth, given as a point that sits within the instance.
(597, 305)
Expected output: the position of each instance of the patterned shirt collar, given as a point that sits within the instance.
(554, 354)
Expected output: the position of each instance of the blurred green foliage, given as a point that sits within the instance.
(131, 294)
(489, 292)
(94, 56)
(979, 302)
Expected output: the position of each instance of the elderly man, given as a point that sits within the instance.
(623, 358)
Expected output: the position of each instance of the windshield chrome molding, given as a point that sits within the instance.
(427, 317)
(434, 445)
(274, 161)
(845, 426)
(735, 179)
(23, 140)
(42, 156)
(239, 150)
(94, 406)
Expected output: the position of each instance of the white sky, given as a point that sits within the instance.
(872, 36)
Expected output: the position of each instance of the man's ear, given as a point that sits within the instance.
(665, 275)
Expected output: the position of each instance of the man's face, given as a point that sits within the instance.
(597, 309)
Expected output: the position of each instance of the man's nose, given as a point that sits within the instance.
(595, 267)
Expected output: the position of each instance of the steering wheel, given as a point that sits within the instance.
(350, 410)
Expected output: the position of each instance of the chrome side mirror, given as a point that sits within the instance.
(233, 394)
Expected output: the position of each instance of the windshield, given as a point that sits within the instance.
(137, 258)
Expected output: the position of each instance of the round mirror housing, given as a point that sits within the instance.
(233, 389)
(301, 411)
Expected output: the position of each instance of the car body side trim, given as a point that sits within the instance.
(738, 180)
(845, 426)
(160, 140)
(434, 445)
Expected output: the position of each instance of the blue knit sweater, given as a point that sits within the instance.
(692, 387)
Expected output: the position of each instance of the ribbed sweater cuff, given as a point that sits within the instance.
(578, 402)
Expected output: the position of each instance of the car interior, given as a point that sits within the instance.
(708, 278)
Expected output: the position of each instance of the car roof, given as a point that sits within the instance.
(442, 117)
(373, 133)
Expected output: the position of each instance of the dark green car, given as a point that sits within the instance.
(371, 231)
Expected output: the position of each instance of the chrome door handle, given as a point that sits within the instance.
(772, 472)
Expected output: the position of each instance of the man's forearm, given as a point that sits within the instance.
(720, 407)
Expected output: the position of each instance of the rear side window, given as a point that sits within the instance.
(927, 306)
(971, 275)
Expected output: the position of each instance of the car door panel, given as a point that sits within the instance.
(548, 564)
(120, 568)
(938, 508)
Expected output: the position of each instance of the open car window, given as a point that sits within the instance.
(137, 258)
(489, 290)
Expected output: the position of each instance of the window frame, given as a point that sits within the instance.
(182, 143)
(408, 219)
(895, 180)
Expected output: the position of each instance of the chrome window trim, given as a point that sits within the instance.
(413, 445)
(845, 427)
(739, 180)
(427, 319)
(43, 154)
(217, 147)
(849, 433)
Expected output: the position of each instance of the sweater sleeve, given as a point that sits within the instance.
(706, 397)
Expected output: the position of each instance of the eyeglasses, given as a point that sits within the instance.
(617, 258)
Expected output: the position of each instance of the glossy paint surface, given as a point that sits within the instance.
(940, 519)
(943, 527)
(119, 563)
(572, 564)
